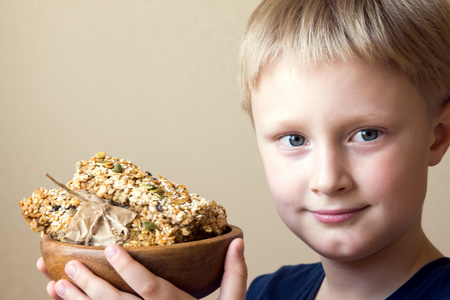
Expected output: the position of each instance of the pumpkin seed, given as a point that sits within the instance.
(100, 155)
(106, 163)
(118, 168)
(151, 187)
(71, 212)
(149, 225)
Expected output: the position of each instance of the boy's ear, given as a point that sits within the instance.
(441, 135)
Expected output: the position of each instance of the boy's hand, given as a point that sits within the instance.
(147, 285)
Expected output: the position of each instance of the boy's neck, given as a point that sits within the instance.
(381, 274)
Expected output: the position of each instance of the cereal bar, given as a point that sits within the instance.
(165, 212)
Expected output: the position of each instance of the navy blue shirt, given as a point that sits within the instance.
(303, 282)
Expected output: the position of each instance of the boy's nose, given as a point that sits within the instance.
(330, 173)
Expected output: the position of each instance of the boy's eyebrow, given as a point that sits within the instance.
(273, 127)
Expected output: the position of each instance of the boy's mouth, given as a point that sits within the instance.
(336, 215)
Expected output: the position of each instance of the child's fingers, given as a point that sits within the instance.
(51, 285)
(51, 290)
(234, 281)
(41, 267)
(141, 280)
(68, 291)
(94, 287)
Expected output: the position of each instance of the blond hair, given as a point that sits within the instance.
(413, 35)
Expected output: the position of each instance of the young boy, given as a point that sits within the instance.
(349, 104)
(349, 101)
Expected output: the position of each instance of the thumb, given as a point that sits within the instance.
(234, 281)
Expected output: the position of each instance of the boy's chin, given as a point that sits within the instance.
(341, 253)
(340, 258)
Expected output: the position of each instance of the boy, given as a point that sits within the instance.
(349, 104)
(349, 100)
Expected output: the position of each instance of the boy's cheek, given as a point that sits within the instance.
(284, 178)
(284, 189)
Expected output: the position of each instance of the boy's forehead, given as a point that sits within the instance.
(340, 81)
(332, 75)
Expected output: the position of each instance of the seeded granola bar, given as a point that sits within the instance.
(166, 212)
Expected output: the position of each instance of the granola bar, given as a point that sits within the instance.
(166, 212)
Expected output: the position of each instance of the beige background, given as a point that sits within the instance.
(150, 81)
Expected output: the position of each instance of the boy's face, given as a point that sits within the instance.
(346, 153)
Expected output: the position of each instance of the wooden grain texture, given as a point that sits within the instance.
(195, 267)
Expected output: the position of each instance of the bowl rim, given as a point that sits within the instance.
(231, 232)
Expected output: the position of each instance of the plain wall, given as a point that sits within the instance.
(150, 81)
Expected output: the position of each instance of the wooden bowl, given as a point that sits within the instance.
(195, 267)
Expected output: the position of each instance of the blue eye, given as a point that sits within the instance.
(293, 140)
(366, 135)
